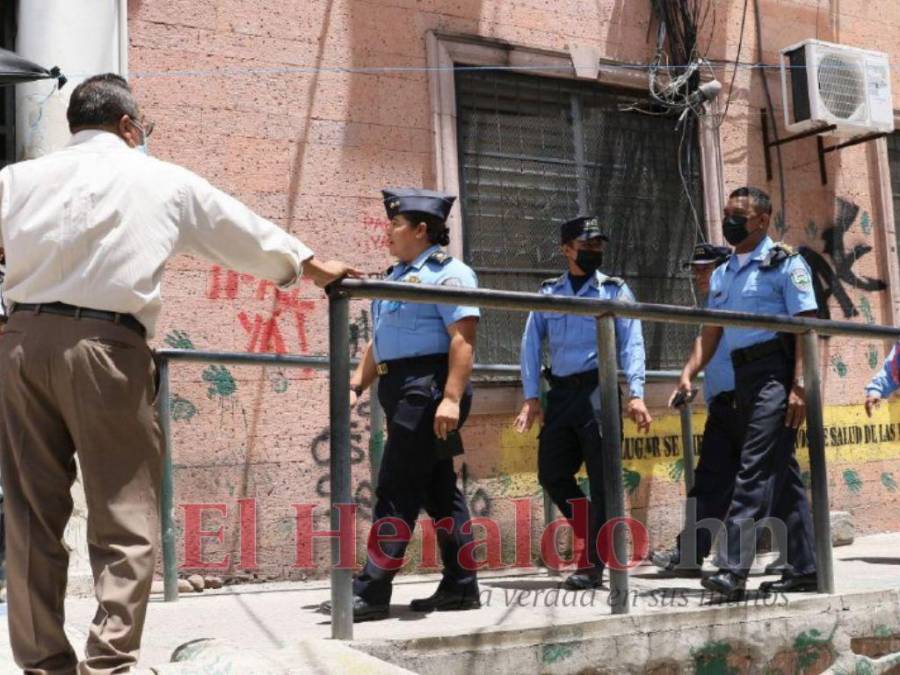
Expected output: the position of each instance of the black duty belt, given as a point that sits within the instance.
(413, 362)
(62, 309)
(588, 378)
(741, 357)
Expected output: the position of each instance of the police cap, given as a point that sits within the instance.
(708, 254)
(582, 227)
(405, 200)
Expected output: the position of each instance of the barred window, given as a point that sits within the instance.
(536, 151)
(893, 142)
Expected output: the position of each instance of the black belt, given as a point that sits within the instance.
(62, 309)
(399, 365)
(588, 378)
(741, 357)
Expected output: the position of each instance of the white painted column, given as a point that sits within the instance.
(83, 38)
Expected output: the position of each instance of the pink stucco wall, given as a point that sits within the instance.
(251, 95)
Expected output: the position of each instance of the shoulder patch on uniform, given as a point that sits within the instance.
(801, 279)
(777, 255)
(615, 281)
(440, 258)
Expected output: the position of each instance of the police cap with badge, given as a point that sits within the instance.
(415, 200)
(708, 254)
(581, 228)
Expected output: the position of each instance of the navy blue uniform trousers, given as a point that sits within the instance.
(413, 477)
(569, 438)
(720, 457)
(768, 482)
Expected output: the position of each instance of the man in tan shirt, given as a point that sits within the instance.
(87, 231)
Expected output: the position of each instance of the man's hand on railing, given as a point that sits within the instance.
(637, 411)
(872, 403)
(530, 412)
(323, 273)
(796, 411)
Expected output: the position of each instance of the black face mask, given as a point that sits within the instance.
(589, 261)
(735, 229)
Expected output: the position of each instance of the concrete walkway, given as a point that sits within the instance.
(528, 625)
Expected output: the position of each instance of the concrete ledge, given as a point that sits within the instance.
(799, 634)
(316, 656)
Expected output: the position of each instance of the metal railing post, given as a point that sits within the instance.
(815, 430)
(613, 490)
(376, 435)
(689, 542)
(687, 442)
(167, 491)
(339, 409)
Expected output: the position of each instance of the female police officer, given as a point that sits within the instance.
(423, 354)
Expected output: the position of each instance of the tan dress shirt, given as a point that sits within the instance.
(93, 224)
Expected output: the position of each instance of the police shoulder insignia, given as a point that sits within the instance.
(801, 279)
(440, 258)
(777, 255)
(452, 281)
(615, 281)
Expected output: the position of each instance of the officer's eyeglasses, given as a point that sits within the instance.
(145, 126)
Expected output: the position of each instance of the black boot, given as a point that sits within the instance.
(445, 601)
(805, 583)
(362, 610)
(584, 580)
(725, 583)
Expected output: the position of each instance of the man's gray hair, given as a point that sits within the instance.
(101, 101)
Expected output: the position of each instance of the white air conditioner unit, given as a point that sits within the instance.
(828, 84)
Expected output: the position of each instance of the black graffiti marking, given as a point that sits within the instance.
(829, 281)
(362, 497)
(321, 448)
(359, 332)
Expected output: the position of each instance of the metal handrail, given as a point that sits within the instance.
(521, 301)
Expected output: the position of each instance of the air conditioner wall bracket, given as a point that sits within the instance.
(822, 148)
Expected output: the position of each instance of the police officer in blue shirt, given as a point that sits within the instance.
(423, 355)
(720, 449)
(571, 434)
(764, 278)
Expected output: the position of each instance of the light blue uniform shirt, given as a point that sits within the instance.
(887, 381)
(786, 289)
(573, 339)
(718, 376)
(406, 329)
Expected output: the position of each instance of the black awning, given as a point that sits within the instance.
(16, 70)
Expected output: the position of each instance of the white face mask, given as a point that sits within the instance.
(143, 147)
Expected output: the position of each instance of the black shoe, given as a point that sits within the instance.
(781, 569)
(725, 583)
(584, 580)
(444, 601)
(805, 583)
(362, 610)
(668, 563)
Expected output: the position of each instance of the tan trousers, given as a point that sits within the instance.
(87, 387)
